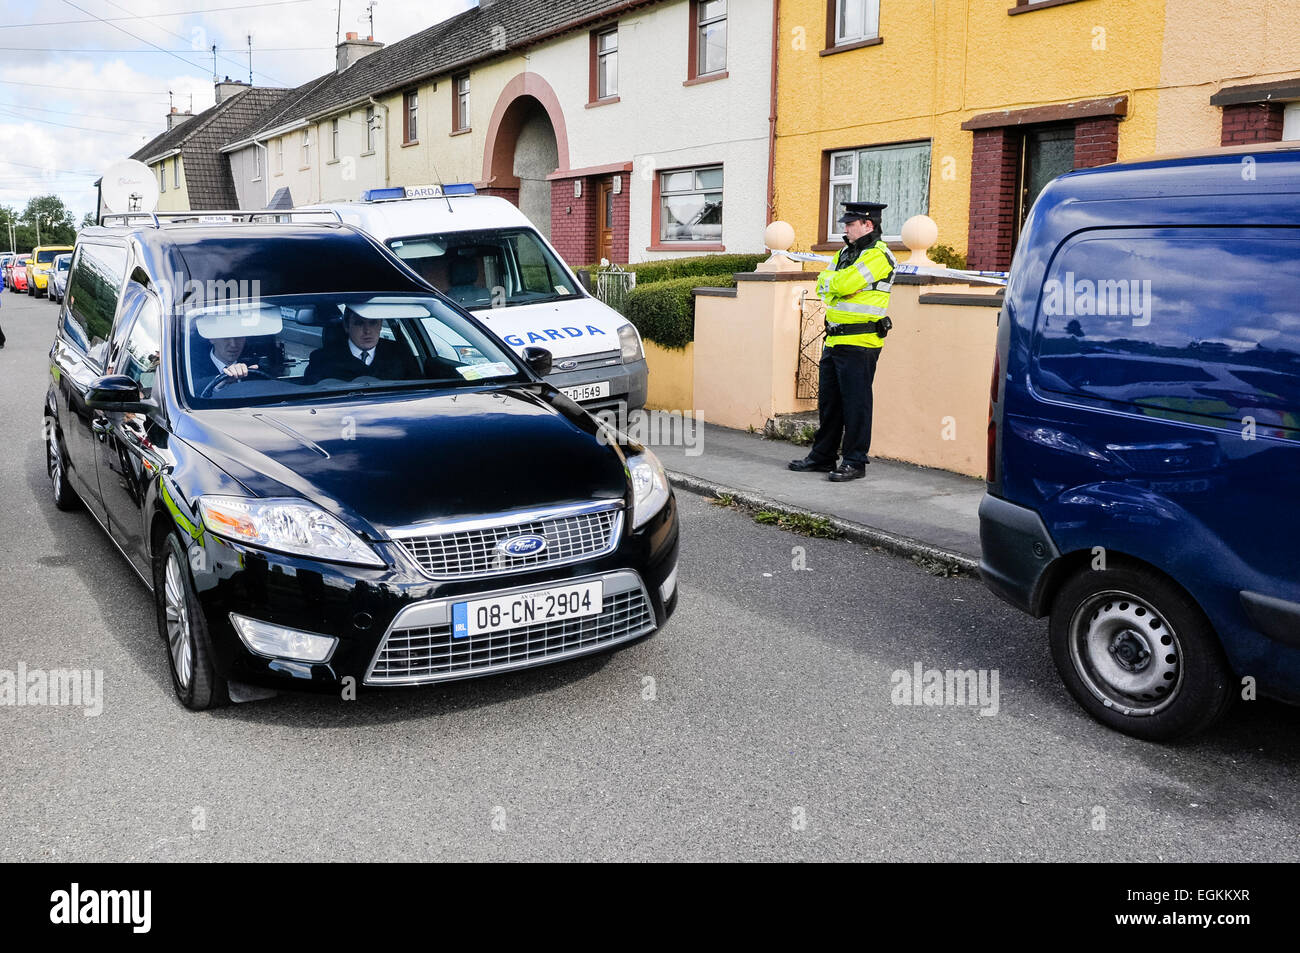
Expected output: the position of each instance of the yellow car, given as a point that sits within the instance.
(38, 269)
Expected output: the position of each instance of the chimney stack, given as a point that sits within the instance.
(175, 118)
(352, 49)
(228, 87)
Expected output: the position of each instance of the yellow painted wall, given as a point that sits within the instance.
(1252, 43)
(174, 199)
(936, 67)
(671, 376)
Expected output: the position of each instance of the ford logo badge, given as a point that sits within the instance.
(519, 546)
(566, 365)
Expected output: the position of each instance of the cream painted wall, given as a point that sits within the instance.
(175, 199)
(1251, 43)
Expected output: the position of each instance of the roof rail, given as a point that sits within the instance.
(216, 216)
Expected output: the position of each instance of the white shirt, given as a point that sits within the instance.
(365, 357)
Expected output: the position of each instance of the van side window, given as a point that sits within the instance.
(93, 290)
(70, 329)
(140, 355)
(1194, 324)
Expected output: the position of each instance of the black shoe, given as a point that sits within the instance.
(805, 466)
(845, 472)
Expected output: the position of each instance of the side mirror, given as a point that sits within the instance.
(116, 392)
(539, 359)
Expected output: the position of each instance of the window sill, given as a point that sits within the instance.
(370, 153)
(1037, 5)
(256, 178)
(461, 132)
(304, 168)
(413, 142)
(687, 246)
(331, 161)
(608, 100)
(712, 77)
(855, 45)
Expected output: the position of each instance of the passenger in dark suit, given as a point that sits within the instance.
(362, 353)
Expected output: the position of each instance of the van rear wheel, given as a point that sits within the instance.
(1137, 653)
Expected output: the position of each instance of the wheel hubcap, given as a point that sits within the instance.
(179, 639)
(1126, 652)
(56, 459)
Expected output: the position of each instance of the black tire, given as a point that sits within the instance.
(194, 679)
(56, 468)
(1138, 653)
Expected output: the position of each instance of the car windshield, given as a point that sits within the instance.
(300, 348)
(63, 262)
(46, 255)
(488, 268)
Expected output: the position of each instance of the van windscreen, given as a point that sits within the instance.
(488, 268)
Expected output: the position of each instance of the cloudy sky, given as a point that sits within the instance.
(85, 82)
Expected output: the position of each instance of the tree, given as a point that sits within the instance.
(88, 220)
(56, 222)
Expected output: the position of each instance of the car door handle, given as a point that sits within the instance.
(101, 427)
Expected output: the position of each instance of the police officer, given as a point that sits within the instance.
(856, 292)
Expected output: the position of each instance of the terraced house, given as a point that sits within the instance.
(624, 130)
(192, 173)
(966, 109)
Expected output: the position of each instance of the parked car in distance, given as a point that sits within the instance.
(483, 253)
(18, 273)
(379, 494)
(38, 267)
(59, 276)
(1144, 435)
(5, 258)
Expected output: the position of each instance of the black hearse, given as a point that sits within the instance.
(325, 471)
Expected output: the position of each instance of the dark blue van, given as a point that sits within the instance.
(1144, 435)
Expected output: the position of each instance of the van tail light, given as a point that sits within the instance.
(991, 462)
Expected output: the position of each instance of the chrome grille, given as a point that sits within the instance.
(429, 653)
(472, 551)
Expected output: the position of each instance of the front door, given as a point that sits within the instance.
(1047, 151)
(605, 222)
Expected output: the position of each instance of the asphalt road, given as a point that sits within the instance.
(767, 731)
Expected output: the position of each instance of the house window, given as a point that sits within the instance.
(606, 64)
(856, 20)
(370, 128)
(710, 35)
(690, 205)
(279, 155)
(897, 175)
(176, 172)
(411, 112)
(334, 139)
(306, 148)
(1291, 122)
(257, 162)
(460, 105)
(162, 176)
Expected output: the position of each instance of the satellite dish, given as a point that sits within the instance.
(129, 186)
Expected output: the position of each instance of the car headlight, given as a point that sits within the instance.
(286, 526)
(649, 487)
(629, 343)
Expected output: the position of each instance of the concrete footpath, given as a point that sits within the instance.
(906, 509)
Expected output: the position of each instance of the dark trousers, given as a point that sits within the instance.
(844, 408)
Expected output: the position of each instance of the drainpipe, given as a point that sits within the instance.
(378, 105)
(771, 118)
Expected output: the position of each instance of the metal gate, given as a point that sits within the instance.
(811, 324)
(613, 285)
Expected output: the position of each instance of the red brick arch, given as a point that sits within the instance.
(507, 118)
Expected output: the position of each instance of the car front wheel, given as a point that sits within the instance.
(65, 497)
(1138, 653)
(182, 625)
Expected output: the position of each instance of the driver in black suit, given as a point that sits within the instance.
(362, 353)
(224, 356)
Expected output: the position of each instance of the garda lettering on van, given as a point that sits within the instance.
(549, 334)
(1119, 298)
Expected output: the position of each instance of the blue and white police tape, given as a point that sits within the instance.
(975, 277)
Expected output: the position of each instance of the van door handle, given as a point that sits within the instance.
(101, 426)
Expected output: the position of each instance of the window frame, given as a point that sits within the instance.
(305, 155)
(459, 98)
(334, 139)
(176, 172)
(696, 46)
(657, 214)
(598, 59)
(834, 37)
(410, 117)
(257, 162)
(370, 130)
(279, 155)
(830, 180)
(162, 176)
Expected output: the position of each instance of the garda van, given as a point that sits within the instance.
(484, 254)
(1144, 435)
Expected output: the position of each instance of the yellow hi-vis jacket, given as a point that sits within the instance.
(856, 291)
